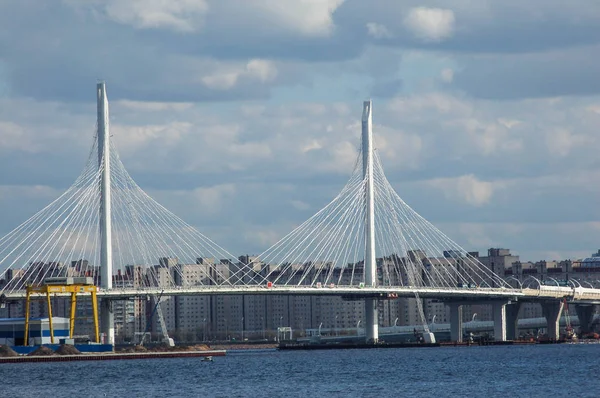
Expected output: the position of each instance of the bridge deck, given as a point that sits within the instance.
(479, 294)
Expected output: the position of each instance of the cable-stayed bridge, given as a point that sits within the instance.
(367, 243)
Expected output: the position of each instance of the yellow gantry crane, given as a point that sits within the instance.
(63, 286)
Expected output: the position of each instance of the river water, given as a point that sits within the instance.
(501, 371)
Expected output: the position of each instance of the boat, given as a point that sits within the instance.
(207, 359)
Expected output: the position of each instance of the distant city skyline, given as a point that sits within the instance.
(485, 116)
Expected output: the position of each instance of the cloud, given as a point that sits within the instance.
(378, 31)
(179, 15)
(136, 138)
(311, 146)
(437, 101)
(243, 116)
(466, 188)
(225, 78)
(309, 17)
(531, 75)
(561, 141)
(151, 106)
(557, 245)
(300, 205)
(447, 75)
(199, 203)
(430, 24)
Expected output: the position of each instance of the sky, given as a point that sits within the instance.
(243, 117)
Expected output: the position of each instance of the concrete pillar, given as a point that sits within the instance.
(107, 321)
(499, 313)
(371, 320)
(456, 322)
(585, 314)
(512, 320)
(552, 311)
(371, 316)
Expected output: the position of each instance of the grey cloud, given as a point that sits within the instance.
(550, 74)
(484, 26)
(389, 88)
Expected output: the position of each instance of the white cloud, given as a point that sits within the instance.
(28, 192)
(447, 75)
(300, 205)
(204, 202)
(13, 137)
(221, 80)
(265, 236)
(180, 15)
(308, 17)
(430, 24)
(150, 106)
(561, 141)
(512, 235)
(398, 148)
(311, 146)
(490, 136)
(134, 138)
(261, 69)
(467, 189)
(440, 102)
(25, 138)
(341, 157)
(226, 77)
(378, 31)
(509, 123)
(212, 199)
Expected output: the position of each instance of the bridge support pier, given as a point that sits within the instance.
(107, 321)
(552, 311)
(585, 314)
(512, 320)
(505, 320)
(372, 321)
(499, 314)
(456, 322)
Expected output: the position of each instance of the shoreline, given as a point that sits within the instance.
(113, 356)
(241, 347)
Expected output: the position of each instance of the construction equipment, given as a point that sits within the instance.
(161, 321)
(569, 331)
(62, 286)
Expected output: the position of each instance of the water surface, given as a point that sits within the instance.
(503, 371)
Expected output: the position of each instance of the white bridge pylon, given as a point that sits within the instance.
(330, 248)
(106, 227)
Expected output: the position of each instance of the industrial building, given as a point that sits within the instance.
(12, 330)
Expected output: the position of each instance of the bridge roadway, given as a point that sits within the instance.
(578, 294)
